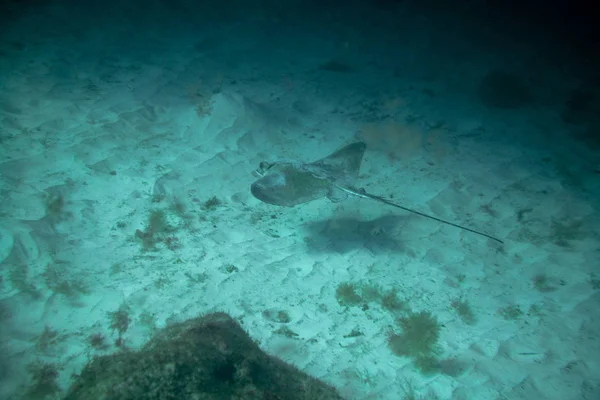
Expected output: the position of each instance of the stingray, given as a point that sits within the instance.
(286, 183)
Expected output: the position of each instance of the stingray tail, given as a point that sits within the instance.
(386, 201)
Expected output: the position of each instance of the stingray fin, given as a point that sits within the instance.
(342, 166)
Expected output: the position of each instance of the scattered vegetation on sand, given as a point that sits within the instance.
(97, 341)
(535, 310)
(44, 383)
(211, 204)
(347, 294)
(119, 321)
(391, 302)
(511, 312)
(279, 316)
(353, 294)
(370, 292)
(58, 280)
(47, 339)
(545, 284)
(417, 339)
(464, 311)
(158, 229)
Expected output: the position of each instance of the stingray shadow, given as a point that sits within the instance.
(342, 235)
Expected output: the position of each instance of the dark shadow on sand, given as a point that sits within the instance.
(342, 235)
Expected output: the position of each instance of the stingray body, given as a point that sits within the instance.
(288, 184)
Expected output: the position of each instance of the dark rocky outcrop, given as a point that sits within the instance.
(209, 357)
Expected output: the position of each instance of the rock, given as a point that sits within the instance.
(209, 357)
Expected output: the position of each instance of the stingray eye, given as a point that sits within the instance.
(262, 169)
(265, 166)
